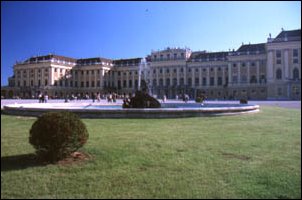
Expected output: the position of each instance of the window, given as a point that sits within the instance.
(196, 70)
(154, 71)
(24, 83)
(168, 82)
(219, 69)
(296, 74)
(154, 82)
(161, 57)
(82, 83)
(174, 70)
(31, 83)
(124, 83)
(174, 81)
(71, 84)
(118, 73)
(168, 56)
(235, 79)
(119, 86)
(181, 70)
(161, 82)
(92, 84)
(295, 52)
(168, 71)
(39, 83)
(190, 81)
(181, 81)
(253, 64)
(279, 91)
(211, 69)
(253, 79)
(196, 81)
(55, 70)
(279, 61)
(243, 65)
(46, 82)
(160, 71)
(204, 81)
(76, 83)
(211, 81)
(234, 65)
(295, 61)
(279, 74)
(243, 79)
(278, 53)
(175, 56)
(219, 81)
(130, 83)
(98, 83)
(182, 55)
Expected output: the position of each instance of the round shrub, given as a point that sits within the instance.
(55, 135)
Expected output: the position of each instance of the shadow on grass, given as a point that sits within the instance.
(20, 162)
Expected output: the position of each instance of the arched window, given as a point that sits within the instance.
(278, 74)
(295, 74)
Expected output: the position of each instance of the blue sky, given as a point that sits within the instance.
(132, 29)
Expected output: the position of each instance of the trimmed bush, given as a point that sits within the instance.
(55, 135)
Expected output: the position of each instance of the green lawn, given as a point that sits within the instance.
(244, 156)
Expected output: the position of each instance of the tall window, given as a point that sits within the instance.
(295, 74)
(196, 81)
(279, 74)
(211, 81)
(295, 52)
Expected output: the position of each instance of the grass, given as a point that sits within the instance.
(245, 156)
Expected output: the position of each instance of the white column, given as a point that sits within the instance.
(286, 65)
(185, 75)
(164, 76)
(177, 75)
(208, 76)
(239, 74)
(42, 77)
(215, 76)
(49, 75)
(133, 82)
(230, 74)
(102, 78)
(127, 79)
(51, 80)
(258, 74)
(270, 67)
(171, 76)
(200, 76)
(248, 72)
(95, 78)
(89, 78)
(193, 77)
(223, 75)
(157, 79)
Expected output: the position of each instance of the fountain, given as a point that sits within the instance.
(142, 98)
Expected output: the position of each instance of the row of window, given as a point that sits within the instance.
(296, 74)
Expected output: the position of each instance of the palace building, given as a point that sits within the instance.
(270, 70)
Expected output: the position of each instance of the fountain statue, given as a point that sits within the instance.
(142, 98)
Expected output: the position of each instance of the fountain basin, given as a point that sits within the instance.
(168, 110)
